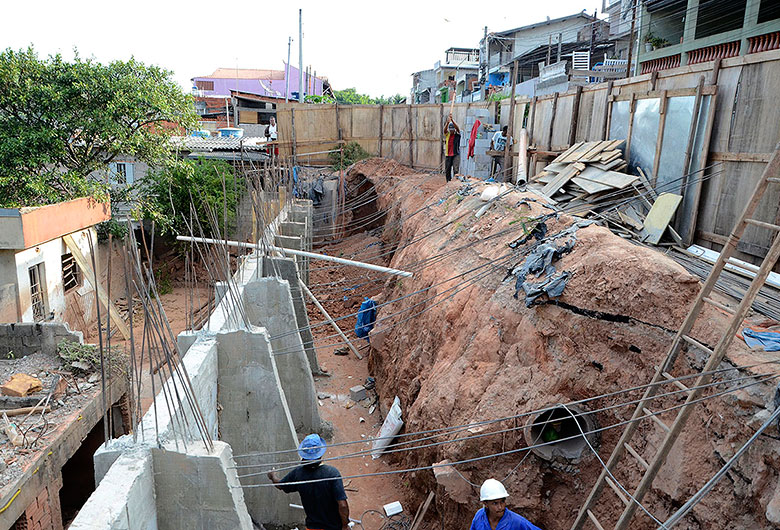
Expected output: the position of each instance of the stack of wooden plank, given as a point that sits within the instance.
(586, 171)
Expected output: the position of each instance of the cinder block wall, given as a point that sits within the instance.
(25, 338)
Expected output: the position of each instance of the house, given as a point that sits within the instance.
(275, 83)
(681, 32)
(543, 42)
(453, 78)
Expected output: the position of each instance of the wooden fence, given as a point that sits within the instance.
(703, 130)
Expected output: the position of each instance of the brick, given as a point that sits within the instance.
(21, 385)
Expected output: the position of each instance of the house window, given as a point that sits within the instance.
(122, 173)
(205, 85)
(37, 291)
(71, 275)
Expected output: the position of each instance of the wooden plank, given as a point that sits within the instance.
(569, 151)
(596, 151)
(614, 179)
(507, 169)
(577, 153)
(660, 216)
(420, 515)
(562, 179)
(81, 260)
(381, 127)
(575, 113)
(557, 168)
(740, 157)
(591, 186)
(607, 108)
(552, 120)
(606, 166)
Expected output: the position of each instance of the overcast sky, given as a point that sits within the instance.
(372, 46)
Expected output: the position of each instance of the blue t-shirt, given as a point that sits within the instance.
(510, 521)
(319, 499)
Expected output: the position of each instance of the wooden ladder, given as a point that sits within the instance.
(683, 338)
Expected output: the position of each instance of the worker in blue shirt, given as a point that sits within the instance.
(495, 515)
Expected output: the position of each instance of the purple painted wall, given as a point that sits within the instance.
(222, 87)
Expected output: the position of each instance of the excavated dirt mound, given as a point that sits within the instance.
(459, 347)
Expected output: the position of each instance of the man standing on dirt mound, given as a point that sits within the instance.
(495, 515)
(322, 490)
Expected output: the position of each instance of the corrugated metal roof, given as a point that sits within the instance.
(218, 143)
(244, 73)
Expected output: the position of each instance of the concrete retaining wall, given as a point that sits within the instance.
(178, 422)
(125, 499)
(257, 419)
(285, 268)
(269, 305)
(25, 338)
(151, 488)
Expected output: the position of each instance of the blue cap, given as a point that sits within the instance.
(312, 447)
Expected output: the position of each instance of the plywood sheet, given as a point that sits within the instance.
(659, 217)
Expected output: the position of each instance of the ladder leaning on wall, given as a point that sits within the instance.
(652, 465)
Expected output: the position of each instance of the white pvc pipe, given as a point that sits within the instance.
(314, 255)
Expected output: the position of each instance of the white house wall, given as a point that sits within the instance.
(50, 254)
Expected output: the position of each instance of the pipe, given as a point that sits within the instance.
(241, 244)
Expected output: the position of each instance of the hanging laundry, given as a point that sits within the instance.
(473, 138)
(366, 318)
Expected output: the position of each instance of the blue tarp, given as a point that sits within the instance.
(769, 340)
(366, 318)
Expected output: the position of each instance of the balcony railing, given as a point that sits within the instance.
(762, 43)
(710, 53)
(663, 63)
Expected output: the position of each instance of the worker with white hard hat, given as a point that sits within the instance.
(495, 515)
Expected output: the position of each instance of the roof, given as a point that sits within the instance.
(244, 73)
(581, 14)
(539, 53)
(255, 97)
(218, 143)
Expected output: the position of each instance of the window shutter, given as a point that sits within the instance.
(129, 174)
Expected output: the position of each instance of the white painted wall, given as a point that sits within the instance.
(50, 255)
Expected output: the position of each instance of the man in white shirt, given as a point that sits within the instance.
(271, 135)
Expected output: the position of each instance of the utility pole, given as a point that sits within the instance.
(300, 55)
(287, 72)
(592, 37)
(484, 57)
(631, 40)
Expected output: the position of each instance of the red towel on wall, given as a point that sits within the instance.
(473, 138)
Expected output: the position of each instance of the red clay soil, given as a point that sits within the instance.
(466, 350)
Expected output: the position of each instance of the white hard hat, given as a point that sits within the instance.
(491, 490)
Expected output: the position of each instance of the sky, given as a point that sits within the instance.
(371, 46)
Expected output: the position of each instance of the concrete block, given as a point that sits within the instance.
(357, 393)
(457, 489)
(23, 329)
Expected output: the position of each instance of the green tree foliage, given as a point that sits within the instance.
(351, 153)
(170, 191)
(60, 121)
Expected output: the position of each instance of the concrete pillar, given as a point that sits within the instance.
(268, 304)
(689, 32)
(297, 230)
(285, 268)
(748, 23)
(255, 418)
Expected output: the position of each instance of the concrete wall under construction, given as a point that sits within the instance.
(286, 269)
(255, 419)
(269, 304)
(150, 488)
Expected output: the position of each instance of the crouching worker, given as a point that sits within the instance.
(322, 490)
(495, 515)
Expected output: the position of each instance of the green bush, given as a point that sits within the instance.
(351, 153)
